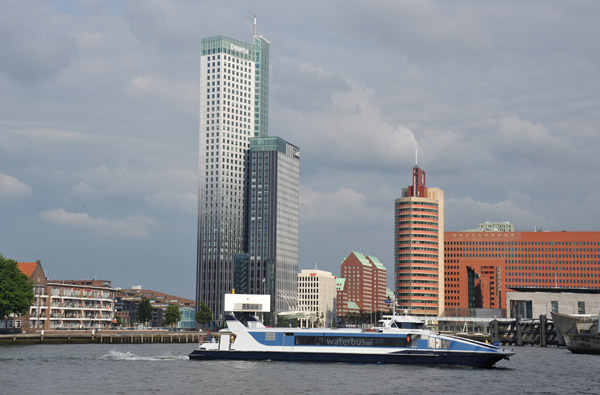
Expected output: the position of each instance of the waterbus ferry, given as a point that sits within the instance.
(396, 340)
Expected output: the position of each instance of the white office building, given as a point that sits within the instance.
(234, 87)
(317, 291)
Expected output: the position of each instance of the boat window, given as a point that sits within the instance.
(414, 341)
(394, 325)
(411, 325)
(435, 342)
(352, 341)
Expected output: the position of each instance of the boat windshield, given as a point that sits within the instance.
(401, 323)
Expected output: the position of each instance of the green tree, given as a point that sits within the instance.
(203, 315)
(172, 316)
(145, 310)
(16, 291)
(284, 321)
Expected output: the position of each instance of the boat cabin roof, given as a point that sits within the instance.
(402, 322)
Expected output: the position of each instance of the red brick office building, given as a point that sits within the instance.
(480, 267)
(364, 285)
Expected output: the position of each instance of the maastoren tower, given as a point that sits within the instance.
(234, 89)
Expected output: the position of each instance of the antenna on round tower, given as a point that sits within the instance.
(416, 157)
(254, 25)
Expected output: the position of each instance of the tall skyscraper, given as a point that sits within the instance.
(234, 89)
(419, 248)
(273, 205)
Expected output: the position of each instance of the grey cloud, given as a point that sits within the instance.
(34, 41)
(497, 96)
(301, 86)
(533, 144)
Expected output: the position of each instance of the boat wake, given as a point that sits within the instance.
(114, 355)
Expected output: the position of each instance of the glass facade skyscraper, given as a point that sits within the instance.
(273, 205)
(234, 89)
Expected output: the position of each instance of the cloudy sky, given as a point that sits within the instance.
(99, 123)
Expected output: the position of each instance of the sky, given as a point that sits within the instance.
(99, 116)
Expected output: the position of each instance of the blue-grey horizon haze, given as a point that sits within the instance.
(99, 123)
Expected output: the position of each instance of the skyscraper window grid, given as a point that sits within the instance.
(273, 221)
(227, 121)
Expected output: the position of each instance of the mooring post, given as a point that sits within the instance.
(543, 330)
(518, 334)
(494, 330)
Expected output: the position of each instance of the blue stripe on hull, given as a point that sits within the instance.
(414, 358)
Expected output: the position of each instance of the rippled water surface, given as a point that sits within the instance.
(166, 369)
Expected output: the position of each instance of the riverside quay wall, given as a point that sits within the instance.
(108, 337)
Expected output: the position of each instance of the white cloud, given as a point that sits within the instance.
(349, 128)
(84, 189)
(132, 226)
(12, 187)
(517, 139)
(170, 200)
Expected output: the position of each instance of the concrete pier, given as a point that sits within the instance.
(110, 337)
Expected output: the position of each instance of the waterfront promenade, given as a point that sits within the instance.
(108, 337)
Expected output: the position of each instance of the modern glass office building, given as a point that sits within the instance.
(273, 206)
(234, 88)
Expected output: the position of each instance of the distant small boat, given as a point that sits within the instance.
(580, 333)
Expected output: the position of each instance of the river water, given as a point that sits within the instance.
(166, 369)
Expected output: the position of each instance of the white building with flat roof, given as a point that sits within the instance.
(316, 297)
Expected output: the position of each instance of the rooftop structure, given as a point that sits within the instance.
(496, 227)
